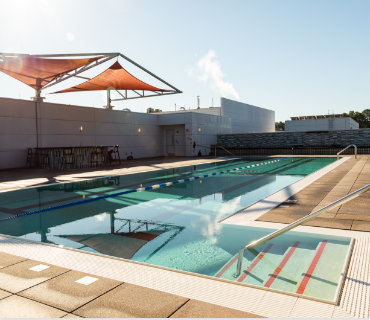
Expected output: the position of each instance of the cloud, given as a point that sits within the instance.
(70, 36)
(209, 71)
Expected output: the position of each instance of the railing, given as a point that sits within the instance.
(223, 148)
(351, 145)
(216, 146)
(295, 224)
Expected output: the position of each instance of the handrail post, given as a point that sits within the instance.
(239, 265)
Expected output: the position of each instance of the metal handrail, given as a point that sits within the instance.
(295, 224)
(351, 145)
(216, 146)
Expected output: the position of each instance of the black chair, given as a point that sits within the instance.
(68, 159)
(114, 156)
(31, 159)
(97, 157)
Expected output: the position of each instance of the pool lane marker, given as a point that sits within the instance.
(148, 188)
(281, 265)
(251, 267)
(312, 267)
(231, 262)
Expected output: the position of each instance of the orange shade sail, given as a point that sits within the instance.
(38, 72)
(114, 77)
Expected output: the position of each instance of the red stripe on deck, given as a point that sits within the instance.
(311, 269)
(281, 266)
(260, 256)
(226, 267)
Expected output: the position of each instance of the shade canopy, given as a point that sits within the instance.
(114, 77)
(38, 72)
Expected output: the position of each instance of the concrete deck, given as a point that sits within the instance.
(114, 288)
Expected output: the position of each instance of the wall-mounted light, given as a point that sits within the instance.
(199, 129)
(139, 130)
(81, 128)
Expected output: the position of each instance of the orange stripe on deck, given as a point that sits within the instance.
(226, 267)
(281, 266)
(260, 256)
(311, 269)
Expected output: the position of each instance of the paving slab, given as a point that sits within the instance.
(129, 301)
(65, 293)
(71, 315)
(20, 276)
(361, 226)
(9, 259)
(200, 309)
(330, 223)
(4, 294)
(18, 307)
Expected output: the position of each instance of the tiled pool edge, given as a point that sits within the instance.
(260, 207)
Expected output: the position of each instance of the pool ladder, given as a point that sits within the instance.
(351, 145)
(295, 224)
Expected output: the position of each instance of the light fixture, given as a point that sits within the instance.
(139, 130)
(199, 129)
(81, 128)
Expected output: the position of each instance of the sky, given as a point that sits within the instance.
(295, 57)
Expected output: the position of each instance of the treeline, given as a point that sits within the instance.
(362, 118)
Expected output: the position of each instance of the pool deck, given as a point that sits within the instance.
(109, 287)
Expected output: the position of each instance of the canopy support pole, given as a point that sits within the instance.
(38, 99)
(109, 100)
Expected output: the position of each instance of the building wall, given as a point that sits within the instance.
(247, 118)
(326, 124)
(199, 128)
(59, 125)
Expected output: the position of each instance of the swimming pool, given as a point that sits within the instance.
(177, 226)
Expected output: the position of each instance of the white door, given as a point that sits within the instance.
(170, 142)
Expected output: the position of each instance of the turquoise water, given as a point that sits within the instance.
(176, 226)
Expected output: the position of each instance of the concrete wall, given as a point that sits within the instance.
(59, 125)
(142, 134)
(326, 124)
(247, 118)
(199, 128)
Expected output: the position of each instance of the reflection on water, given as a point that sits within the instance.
(175, 227)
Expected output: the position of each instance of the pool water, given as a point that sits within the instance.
(177, 226)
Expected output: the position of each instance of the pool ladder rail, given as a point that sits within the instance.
(351, 145)
(294, 224)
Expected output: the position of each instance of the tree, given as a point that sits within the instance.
(363, 118)
(280, 126)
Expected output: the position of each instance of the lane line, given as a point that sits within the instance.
(258, 259)
(227, 266)
(281, 265)
(311, 268)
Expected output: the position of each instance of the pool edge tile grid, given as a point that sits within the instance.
(355, 299)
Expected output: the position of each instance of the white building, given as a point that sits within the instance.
(181, 133)
(320, 123)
